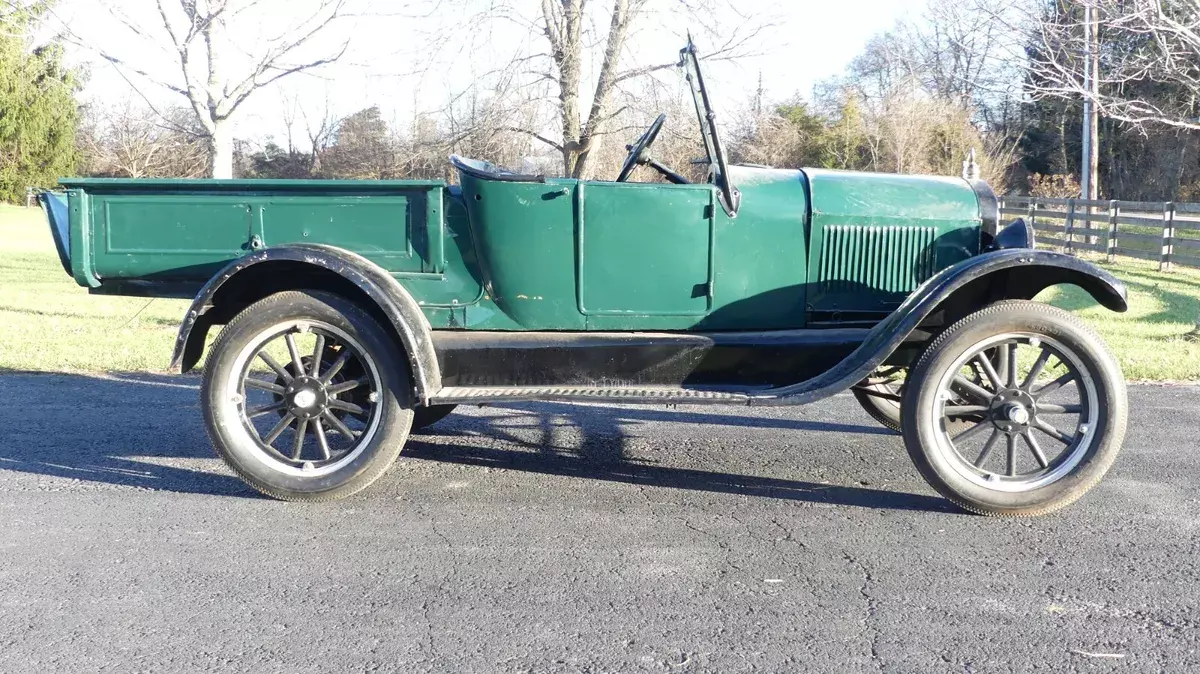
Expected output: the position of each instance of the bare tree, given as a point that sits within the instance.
(586, 60)
(960, 50)
(216, 73)
(131, 141)
(563, 24)
(1145, 44)
(320, 126)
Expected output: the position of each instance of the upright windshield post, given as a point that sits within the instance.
(728, 194)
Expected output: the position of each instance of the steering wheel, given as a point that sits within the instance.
(637, 151)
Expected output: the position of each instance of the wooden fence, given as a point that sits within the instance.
(1166, 232)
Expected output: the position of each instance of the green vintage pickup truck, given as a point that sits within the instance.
(357, 311)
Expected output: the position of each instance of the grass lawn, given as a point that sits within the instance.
(48, 323)
(1149, 338)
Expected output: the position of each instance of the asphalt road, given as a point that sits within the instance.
(559, 538)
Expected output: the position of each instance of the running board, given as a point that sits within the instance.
(662, 395)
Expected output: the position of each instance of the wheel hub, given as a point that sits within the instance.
(1017, 413)
(1013, 410)
(306, 397)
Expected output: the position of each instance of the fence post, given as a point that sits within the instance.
(1168, 246)
(1032, 208)
(1069, 247)
(1114, 212)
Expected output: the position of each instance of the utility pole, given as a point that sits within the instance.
(1089, 167)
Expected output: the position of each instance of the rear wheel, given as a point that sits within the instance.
(1045, 403)
(306, 397)
(879, 396)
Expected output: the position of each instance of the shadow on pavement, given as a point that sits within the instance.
(117, 429)
(128, 429)
(601, 455)
(676, 478)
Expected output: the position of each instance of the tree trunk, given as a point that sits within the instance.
(566, 41)
(220, 144)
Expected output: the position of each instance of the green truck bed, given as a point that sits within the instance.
(185, 230)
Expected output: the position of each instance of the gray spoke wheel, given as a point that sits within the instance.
(306, 396)
(1015, 410)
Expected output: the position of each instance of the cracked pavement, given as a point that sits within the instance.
(577, 538)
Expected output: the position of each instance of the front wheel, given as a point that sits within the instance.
(1046, 405)
(306, 397)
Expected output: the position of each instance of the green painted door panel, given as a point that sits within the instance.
(524, 233)
(645, 249)
(168, 236)
(379, 228)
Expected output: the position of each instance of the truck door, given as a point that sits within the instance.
(645, 252)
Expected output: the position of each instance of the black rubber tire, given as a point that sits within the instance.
(235, 446)
(886, 412)
(919, 422)
(424, 417)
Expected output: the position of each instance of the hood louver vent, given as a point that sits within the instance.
(887, 259)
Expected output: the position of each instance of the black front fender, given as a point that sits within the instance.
(389, 297)
(1018, 273)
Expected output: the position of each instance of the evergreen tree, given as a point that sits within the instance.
(38, 113)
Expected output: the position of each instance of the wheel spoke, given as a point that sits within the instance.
(1053, 432)
(1060, 409)
(251, 382)
(1036, 449)
(278, 430)
(322, 441)
(1036, 370)
(992, 375)
(1003, 363)
(297, 362)
(338, 425)
(337, 389)
(265, 409)
(274, 365)
(985, 424)
(316, 357)
(968, 388)
(963, 410)
(298, 443)
(987, 448)
(1011, 460)
(1012, 364)
(1055, 385)
(347, 407)
(336, 367)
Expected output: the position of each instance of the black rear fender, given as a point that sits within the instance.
(311, 267)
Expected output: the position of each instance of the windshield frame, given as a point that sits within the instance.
(727, 192)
